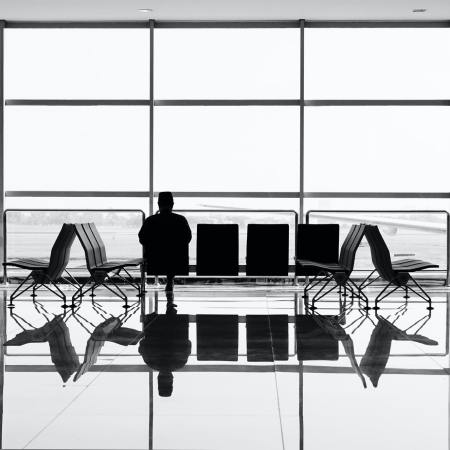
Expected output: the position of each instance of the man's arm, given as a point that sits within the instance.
(144, 233)
(187, 231)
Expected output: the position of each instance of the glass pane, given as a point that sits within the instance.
(77, 63)
(242, 218)
(31, 234)
(141, 203)
(227, 148)
(378, 149)
(227, 63)
(76, 148)
(377, 63)
(409, 234)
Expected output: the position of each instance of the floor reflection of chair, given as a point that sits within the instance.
(339, 273)
(375, 359)
(267, 338)
(111, 329)
(56, 333)
(395, 273)
(217, 337)
(46, 273)
(318, 337)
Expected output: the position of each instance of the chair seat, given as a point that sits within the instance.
(118, 264)
(29, 263)
(412, 265)
(330, 267)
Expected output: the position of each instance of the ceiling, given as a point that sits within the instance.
(81, 10)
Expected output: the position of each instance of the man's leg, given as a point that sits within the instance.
(169, 285)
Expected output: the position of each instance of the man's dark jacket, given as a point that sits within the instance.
(165, 237)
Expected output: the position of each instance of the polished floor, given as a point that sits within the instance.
(226, 368)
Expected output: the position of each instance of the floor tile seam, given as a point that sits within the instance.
(72, 401)
(277, 393)
(59, 414)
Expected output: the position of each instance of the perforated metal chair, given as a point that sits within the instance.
(338, 272)
(46, 273)
(100, 269)
(397, 273)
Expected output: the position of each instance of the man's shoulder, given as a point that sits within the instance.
(179, 217)
(172, 217)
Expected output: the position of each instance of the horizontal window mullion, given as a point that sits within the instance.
(233, 24)
(77, 24)
(228, 102)
(384, 102)
(76, 102)
(223, 102)
(198, 194)
(230, 194)
(377, 24)
(416, 195)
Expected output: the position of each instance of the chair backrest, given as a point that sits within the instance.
(217, 249)
(60, 253)
(90, 247)
(267, 249)
(317, 242)
(350, 246)
(379, 251)
(99, 241)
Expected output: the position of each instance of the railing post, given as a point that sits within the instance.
(2, 140)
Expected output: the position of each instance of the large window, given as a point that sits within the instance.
(377, 148)
(77, 64)
(229, 122)
(227, 64)
(227, 148)
(377, 63)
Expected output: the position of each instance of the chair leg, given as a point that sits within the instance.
(120, 293)
(18, 292)
(383, 294)
(423, 295)
(81, 291)
(318, 297)
(314, 282)
(359, 294)
(367, 282)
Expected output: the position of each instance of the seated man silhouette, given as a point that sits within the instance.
(165, 237)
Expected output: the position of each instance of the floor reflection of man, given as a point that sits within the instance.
(166, 346)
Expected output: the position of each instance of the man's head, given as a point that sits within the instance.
(165, 383)
(165, 201)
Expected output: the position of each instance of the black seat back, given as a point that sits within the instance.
(267, 250)
(60, 253)
(91, 250)
(98, 241)
(379, 251)
(319, 243)
(218, 249)
(350, 246)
